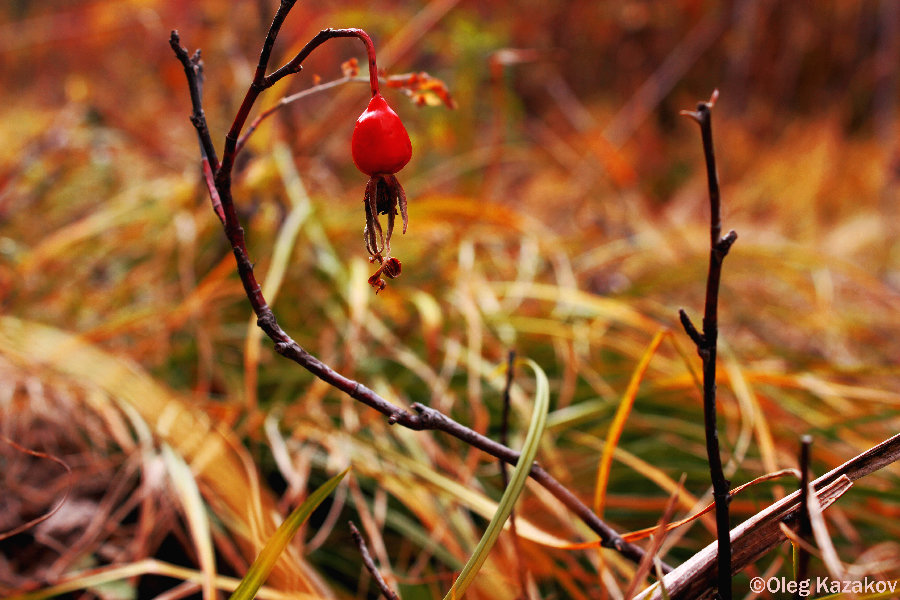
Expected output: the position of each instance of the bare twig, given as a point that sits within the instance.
(386, 591)
(706, 343)
(290, 99)
(804, 527)
(421, 417)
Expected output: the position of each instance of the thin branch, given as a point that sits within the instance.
(294, 65)
(289, 100)
(804, 527)
(262, 82)
(707, 343)
(690, 329)
(193, 69)
(277, 21)
(386, 591)
(423, 418)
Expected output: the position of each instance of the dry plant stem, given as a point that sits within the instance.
(804, 527)
(386, 591)
(656, 540)
(706, 343)
(42, 455)
(423, 417)
(288, 100)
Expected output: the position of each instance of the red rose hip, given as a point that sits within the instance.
(380, 143)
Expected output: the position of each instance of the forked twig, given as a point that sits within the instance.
(421, 417)
(706, 342)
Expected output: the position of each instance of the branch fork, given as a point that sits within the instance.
(706, 343)
(218, 177)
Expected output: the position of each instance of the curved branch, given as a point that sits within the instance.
(423, 417)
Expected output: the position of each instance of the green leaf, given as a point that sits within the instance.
(516, 484)
(264, 563)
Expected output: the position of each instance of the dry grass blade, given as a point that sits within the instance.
(618, 423)
(659, 535)
(217, 460)
(823, 539)
(195, 515)
(641, 534)
(26, 526)
(269, 555)
(150, 566)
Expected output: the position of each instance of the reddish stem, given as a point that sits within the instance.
(261, 81)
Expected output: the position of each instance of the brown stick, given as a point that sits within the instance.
(707, 341)
(386, 590)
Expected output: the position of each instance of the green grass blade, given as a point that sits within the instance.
(264, 563)
(516, 485)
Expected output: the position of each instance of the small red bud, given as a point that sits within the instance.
(380, 143)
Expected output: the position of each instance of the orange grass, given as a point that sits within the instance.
(125, 331)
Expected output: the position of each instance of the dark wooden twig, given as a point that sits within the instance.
(804, 527)
(706, 343)
(386, 590)
(421, 417)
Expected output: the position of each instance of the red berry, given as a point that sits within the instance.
(380, 143)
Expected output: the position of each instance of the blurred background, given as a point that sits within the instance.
(559, 209)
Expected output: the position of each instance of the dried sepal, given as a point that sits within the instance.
(422, 89)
